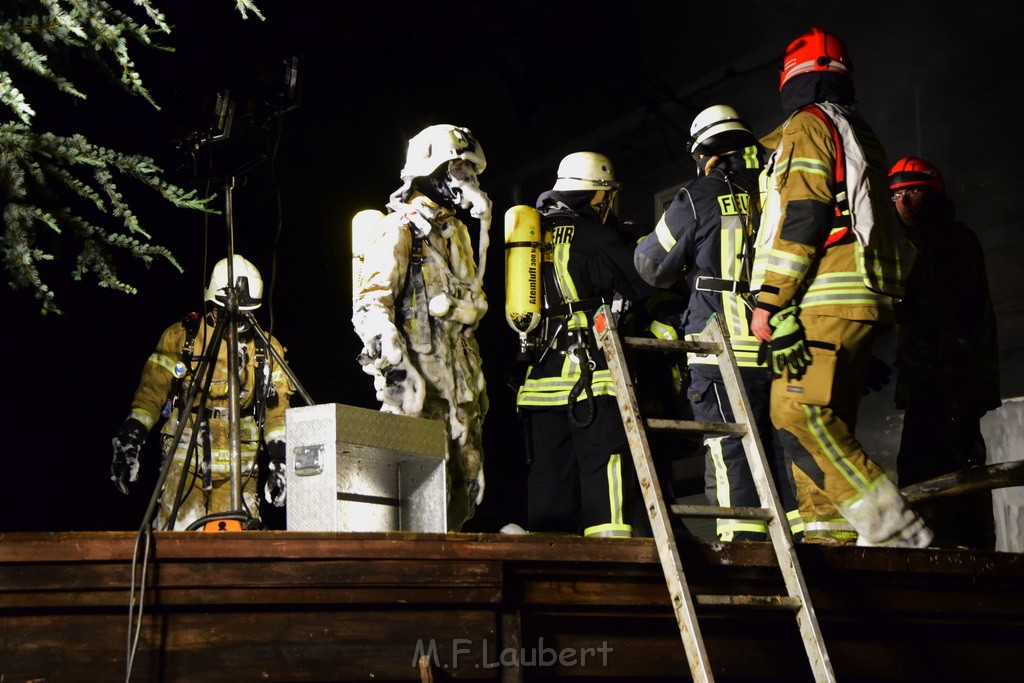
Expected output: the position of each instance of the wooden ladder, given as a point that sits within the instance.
(712, 341)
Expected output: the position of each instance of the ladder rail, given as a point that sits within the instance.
(713, 341)
(683, 604)
(781, 538)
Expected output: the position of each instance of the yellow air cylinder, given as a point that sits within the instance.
(523, 253)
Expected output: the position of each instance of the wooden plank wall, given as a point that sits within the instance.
(287, 606)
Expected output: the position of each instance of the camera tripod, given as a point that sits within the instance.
(226, 331)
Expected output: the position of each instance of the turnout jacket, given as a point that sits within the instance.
(705, 234)
(948, 342)
(831, 246)
(416, 257)
(591, 263)
(167, 379)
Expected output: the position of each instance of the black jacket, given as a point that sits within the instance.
(947, 326)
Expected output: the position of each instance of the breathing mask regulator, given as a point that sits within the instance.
(456, 185)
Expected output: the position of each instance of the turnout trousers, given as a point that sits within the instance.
(817, 415)
(728, 481)
(582, 479)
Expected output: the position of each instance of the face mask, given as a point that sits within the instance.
(465, 186)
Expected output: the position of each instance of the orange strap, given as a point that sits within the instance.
(836, 233)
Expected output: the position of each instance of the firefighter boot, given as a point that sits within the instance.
(882, 517)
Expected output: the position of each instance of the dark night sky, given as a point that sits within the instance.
(526, 77)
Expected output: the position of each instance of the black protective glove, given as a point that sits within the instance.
(274, 489)
(877, 375)
(127, 445)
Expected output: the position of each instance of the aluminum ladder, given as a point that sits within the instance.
(713, 341)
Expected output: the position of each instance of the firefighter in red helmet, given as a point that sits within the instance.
(947, 366)
(827, 267)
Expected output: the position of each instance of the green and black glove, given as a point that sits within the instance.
(788, 346)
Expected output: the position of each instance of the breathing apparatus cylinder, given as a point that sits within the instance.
(524, 246)
(363, 225)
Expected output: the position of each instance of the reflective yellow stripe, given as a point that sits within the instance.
(831, 524)
(843, 288)
(662, 331)
(796, 522)
(785, 263)
(751, 157)
(553, 391)
(144, 417)
(166, 362)
(745, 350)
(614, 473)
(808, 165)
(726, 528)
(832, 450)
(609, 531)
(664, 235)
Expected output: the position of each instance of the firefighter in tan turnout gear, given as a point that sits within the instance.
(417, 298)
(198, 482)
(828, 267)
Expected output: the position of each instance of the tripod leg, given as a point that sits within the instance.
(205, 371)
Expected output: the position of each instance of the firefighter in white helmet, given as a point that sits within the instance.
(417, 299)
(706, 235)
(198, 482)
(581, 479)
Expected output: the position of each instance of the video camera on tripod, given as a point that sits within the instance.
(252, 106)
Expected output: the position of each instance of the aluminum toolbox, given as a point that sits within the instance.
(356, 469)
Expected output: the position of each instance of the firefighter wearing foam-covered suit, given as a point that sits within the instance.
(417, 299)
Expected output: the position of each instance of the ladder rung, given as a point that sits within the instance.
(671, 346)
(727, 512)
(658, 424)
(782, 602)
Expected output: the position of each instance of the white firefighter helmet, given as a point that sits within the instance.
(586, 171)
(248, 299)
(718, 129)
(436, 145)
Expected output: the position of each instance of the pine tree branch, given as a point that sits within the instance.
(48, 181)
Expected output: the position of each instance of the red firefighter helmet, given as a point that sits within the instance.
(815, 51)
(910, 171)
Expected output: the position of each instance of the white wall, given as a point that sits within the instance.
(1004, 436)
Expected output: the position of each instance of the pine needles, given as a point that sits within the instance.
(64, 190)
